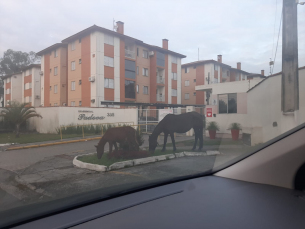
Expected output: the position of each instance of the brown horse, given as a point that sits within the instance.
(114, 135)
(182, 123)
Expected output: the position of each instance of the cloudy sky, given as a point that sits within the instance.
(240, 30)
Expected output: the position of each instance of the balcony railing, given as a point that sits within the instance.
(160, 80)
(160, 98)
(129, 54)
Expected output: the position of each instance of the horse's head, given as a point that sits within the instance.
(152, 144)
(99, 151)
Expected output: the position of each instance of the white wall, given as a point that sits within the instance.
(16, 88)
(179, 92)
(264, 108)
(54, 117)
(42, 81)
(169, 80)
(36, 87)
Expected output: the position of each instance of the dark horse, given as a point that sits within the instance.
(114, 135)
(178, 124)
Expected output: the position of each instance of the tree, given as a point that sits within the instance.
(13, 61)
(17, 113)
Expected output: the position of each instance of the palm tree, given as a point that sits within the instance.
(17, 113)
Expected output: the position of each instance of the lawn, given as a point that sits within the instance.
(208, 142)
(33, 137)
(92, 158)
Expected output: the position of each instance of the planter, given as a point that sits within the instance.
(212, 134)
(235, 134)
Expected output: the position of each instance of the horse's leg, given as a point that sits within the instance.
(173, 141)
(196, 138)
(110, 146)
(201, 139)
(115, 146)
(165, 141)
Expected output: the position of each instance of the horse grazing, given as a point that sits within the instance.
(182, 123)
(114, 135)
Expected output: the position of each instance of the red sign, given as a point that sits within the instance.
(209, 112)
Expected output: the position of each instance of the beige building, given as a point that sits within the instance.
(12, 88)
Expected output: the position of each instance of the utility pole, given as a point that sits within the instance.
(290, 72)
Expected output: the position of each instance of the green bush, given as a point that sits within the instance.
(213, 126)
(90, 129)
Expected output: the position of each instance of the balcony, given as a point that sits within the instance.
(160, 98)
(130, 54)
(160, 80)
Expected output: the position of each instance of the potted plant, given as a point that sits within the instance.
(212, 128)
(235, 128)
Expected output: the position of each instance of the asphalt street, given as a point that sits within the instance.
(41, 174)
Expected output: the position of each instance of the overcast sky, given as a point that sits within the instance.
(240, 30)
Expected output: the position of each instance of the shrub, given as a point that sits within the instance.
(234, 126)
(213, 126)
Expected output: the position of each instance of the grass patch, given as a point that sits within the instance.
(33, 137)
(92, 158)
(210, 142)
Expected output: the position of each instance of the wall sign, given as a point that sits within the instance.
(91, 117)
(209, 112)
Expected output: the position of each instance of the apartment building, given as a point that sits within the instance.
(209, 73)
(12, 84)
(54, 88)
(98, 65)
(31, 82)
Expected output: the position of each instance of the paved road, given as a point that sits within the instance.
(50, 171)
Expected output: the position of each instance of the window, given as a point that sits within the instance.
(72, 103)
(227, 103)
(145, 54)
(73, 46)
(8, 91)
(108, 83)
(55, 53)
(160, 59)
(79, 103)
(50, 70)
(50, 88)
(130, 69)
(194, 80)
(55, 71)
(145, 90)
(130, 89)
(137, 51)
(72, 85)
(174, 92)
(55, 89)
(137, 88)
(194, 94)
(108, 61)
(8, 80)
(174, 76)
(186, 96)
(186, 70)
(27, 86)
(80, 61)
(137, 70)
(186, 83)
(145, 71)
(174, 60)
(228, 73)
(109, 39)
(80, 82)
(237, 77)
(79, 40)
(215, 67)
(73, 65)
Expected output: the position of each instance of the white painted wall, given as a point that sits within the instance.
(264, 108)
(117, 69)
(54, 117)
(36, 85)
(169, 80)
(42, 81)
(16, 88)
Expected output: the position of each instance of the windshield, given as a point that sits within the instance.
(98, 99)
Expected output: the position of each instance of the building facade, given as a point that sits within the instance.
(12, 84)
(97, 65)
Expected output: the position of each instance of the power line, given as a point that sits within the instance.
(277, 41)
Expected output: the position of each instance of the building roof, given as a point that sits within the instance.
(9, 75)
(50, 48)
(239, 70)
(275, 74)
(93, 28)
(31, 66)
(256, 75)
(204, 62)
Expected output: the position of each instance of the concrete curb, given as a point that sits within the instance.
(135, 162)
(53, 143)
